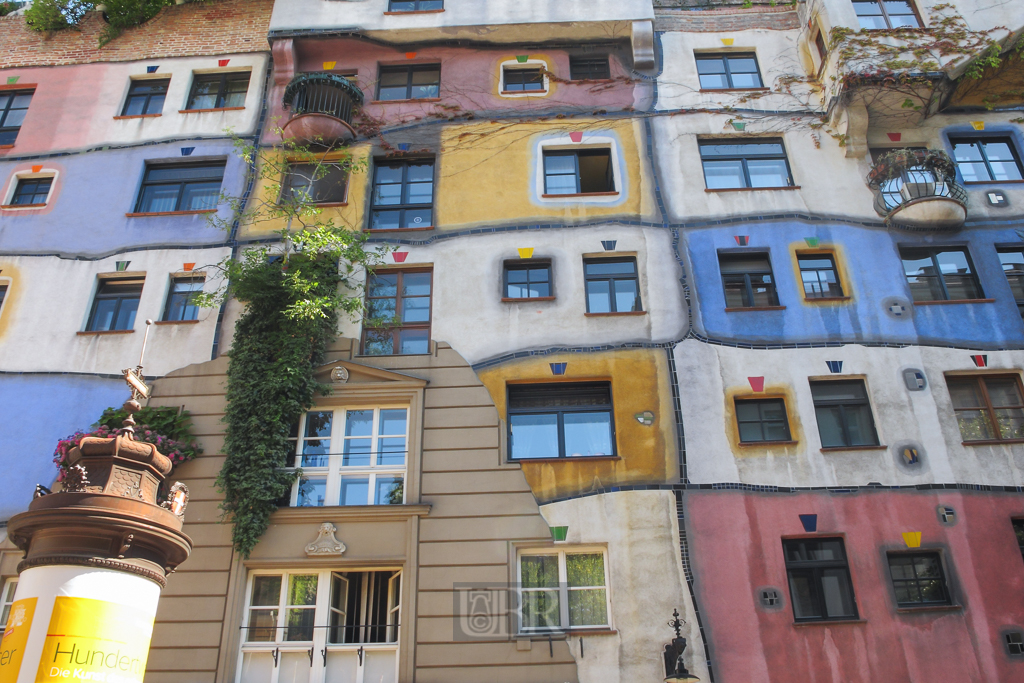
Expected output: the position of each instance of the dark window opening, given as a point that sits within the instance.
(364, 607)
(819, 580)
(587, 171)
(397, 318)
(819, 276)
(737, 165)
(145, 96)
(988, 408)
(843, 414)
(762, 420)
(403, 195)
(987, 159)
(940, 274)
(181, 298)
(728, 71)
(885, 14)
(1014, 643)
(323, 183)
(822, 48)
(409, 82)
(218, 91)
(589, 68)
(115, 304)
(1012, 261)
(560, 420)
(748, 281)
(612, 285)
(522, 80)
(13, 107)
(530, 280)
(180, 187)
(415, 5)
(1018, 530)
(3, 295)
(918, 579)
(31, 191)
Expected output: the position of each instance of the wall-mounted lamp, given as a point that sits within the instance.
(675, 668)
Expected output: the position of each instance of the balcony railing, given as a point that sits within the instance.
(322, 105)
(917, 189)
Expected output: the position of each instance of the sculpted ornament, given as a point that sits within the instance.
(339, 374)
(325, 543)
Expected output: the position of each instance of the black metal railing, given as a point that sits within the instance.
(349, 634)
(322, 93)
(903, 176)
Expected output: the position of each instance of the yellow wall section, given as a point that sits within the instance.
(639, 382)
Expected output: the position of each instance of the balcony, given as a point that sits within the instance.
(322, 106)
(916, 189)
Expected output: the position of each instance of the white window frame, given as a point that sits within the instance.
(563, 588)
(566, 144)
(335, 471)
(318, 648)
(18, 176)
(10, 587)
(513, 64)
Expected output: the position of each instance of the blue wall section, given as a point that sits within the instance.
(874, 273)
(38, 411)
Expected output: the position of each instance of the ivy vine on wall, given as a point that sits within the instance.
(58, 15)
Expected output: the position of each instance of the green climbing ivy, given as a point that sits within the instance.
(58, 15)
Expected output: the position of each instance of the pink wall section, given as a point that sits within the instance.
(736, 547)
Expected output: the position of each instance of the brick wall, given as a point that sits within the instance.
(731, 19)
(208, 28)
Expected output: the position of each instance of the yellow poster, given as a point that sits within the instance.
(95, 640)
(12, 648)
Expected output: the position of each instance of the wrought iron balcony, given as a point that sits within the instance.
(917, 189)
(322, 106)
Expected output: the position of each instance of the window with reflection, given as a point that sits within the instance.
(218, 91)
(32, 191)
(612, 285)
(397, 317)
(13, 108)
(560, 420)
(819, 579)
(413, 82)
(988, 407)
(403, 194)
(843, 413)
(762, 420)
(516, 79)
(747, 280)
(145, 97)
(940, 273)
(320, 183)
(750, 164)
(415, 5)
(732, 71)
(585, 171)
(885, 14)
(563, 590)
(918, 579)
(1012, 261)
(181, 298)
(986, 159)
(526, 279)
(115, 304)
(819, 276)
(180, 187)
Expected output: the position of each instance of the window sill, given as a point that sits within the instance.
(423, 99)
(750, 189)
(416, 11)
(613, 314)
(6, 146)
(97, 333)
(718, 90)
(816, 299)
(829, 622)
(928, 608)
(954, 301)
(169, 213)
(755, 308)
(768, 443)
(203, 111)
(580, 194)
(994, 182)
(524, 92)
(177, 322)
(387, 231)
(838, 449)
(568, 458)
(527, 299)
(349, 513)
(990, 442)
(23, 206)
(329, 205)
(137, 116)
(543, 635)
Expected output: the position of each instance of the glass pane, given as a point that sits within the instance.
(588, 434)
(975, 425)
(829, 426)
(414, 341)
(599, 296)
(584, 570)
(603, 267)
(534, 436)
(417, 218)
(103, 314)
(723, 174)
(389, 491)
(925, 288)
(839, 391)
(627, 296)
(965, 393)
(763, 290)
(378, 343)
(392, 421)
(392, 451)
(383, 310)
(355, 491)
(356, 453)
(541, 609)
(751, 431)
(126, 314)
(1011, 423)
(358, 423)
(539, 571)
(1001, 159)
(588, 607)
(962, 287)
(263, 624)
(384, 195)
(835, 588)
(802, 593)
(200, 196)
(416, 284)
(318, 423)
(717, 81)
(1003, 392)
(768, 173)
(416, 310)
(157, 198)
(560, 184)
(860, 426)
(302, 589)
(384, 285)
(560, 164)
(299, 624)
(266, 590)
(312, 493)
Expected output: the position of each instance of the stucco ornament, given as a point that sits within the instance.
(339, 374)
(326, 543)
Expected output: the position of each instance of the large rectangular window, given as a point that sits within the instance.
(987, 159)
(587, 171)
(218, 91)
(562, 590)
(145, 97)
(737, 165)
(181, 304)
(413, 82)
(819, 579)
(843, 414)
(397, 313)
(747, 279)
(940, 273)
(1012, 260)
(819, 276)
(180, 187)
(734, 71)
(13, 107)
(322, 183)
(918, 579)
(560, 420)
(589, 68)
(885, 14)
(516, 79)
(403, 195)
(988, 408)
(115, 305)
(762, 420)
(612, 285)
(529, 280)
(31, 191)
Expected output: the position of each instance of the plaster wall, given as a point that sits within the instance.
(77, 107)
(980, 15)
(641, 532)
(51, 299)
(712, 377)
(735, 542)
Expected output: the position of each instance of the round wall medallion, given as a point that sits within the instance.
(897, 308)
(339, 374)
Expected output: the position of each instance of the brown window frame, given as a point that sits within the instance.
(395, 330)
(988, 408)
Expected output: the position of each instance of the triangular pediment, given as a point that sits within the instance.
(345, 372)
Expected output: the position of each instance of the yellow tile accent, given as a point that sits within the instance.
(525, 252)
(978, 125)
(912, 539)
(727, 41)
(329, 65)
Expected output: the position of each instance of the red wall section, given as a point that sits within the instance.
(736, 547)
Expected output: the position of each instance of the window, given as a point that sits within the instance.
(918, 579)
(180, 187)
(762, 420)
(13, 107)
(733, 165)
(181, 298)
(587, 171)
(589, 68)
(819, 579)
(397, 313)
(560, 420)
(883, 14)
(612, 285)
(1014, 642)
(351, 456)
(563, 590)
(819, 276)
(1012, 261)
(31, 191)
(1018, 529)
(982, 160)
(3, 294)
(115, 304)
(988, 408)
(415, 5)
(819, 45)
(748, 281)
(529, 280)
(522, 80)
(218, 91)
(403, 195)
(321, 183)
(145, 97)
(843, 414)
(417, 82)
(728, 72)
(940, 274)
(7, 599)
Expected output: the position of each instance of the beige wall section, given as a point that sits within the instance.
(472, 509)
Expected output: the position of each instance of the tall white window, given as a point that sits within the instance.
(317, 626)
(563, 589)
(6, 600)
(351, 456)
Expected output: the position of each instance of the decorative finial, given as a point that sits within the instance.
(676, 623)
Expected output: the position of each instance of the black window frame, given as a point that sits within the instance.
(1014, 642)
(5, 112)
(981, 141)
(816, 568)
(1014, 278)
(324, 169)
(885, 15)
(988, 408)
(800, 255)
(4, 287)
(187, 305)
(939, 276)
(222, 87)
(147, 97)
(761, 419)
(725, 57)
(417, 6)
(1018, 530)
(843, 404)
(182, 183)
(916, 581)
(36, 182)
(744, 159)
(576, 154)
(560, 411)
(611, 279)
(120, 297)
(528, 265)
(520, 73)
(748, 285)
(404, 206)
(395, 330)
(409, 69)
(583, 67)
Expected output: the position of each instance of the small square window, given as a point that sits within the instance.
(752, 164)
(843, 414)
(819, 579)
(562, 420)
(819, 276)
(322, 183)
(762, 420)
(918, 579)
(747, 279)
(516, 80)
(414, 82)
(31, 191)
(589, 68)
(13, 107)
(1012, 260)
(218, 91)
(587, 171)
(612, 285)
(529, 280)
(180, 187)
(940, 274)
(1014, 643)
(987, 159)
(115, 304)
(885, 14)
(415, 5)
(181, 298)
(403, 195)
(145, 97)
(728, 71)
(988, 408)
